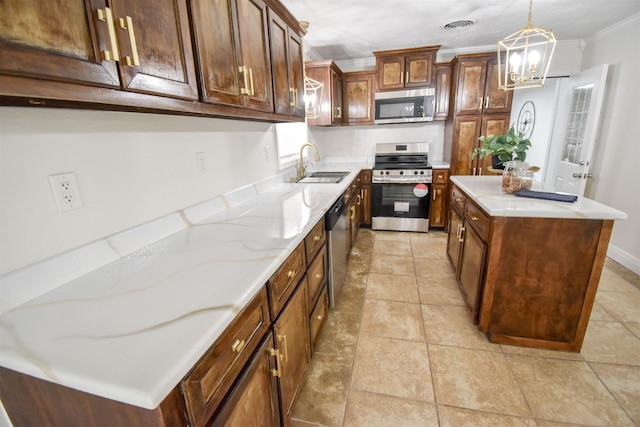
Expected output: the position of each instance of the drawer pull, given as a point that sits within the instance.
(319, 317)
(474, 218)
(316, 239)
(291, 273)
(318, 275)
(237, 346)
(458, 200)
(440, 176)
(461, 238)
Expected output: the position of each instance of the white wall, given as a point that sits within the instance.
(544, 100)
(615, 159)
(131, 168)
(360, 141)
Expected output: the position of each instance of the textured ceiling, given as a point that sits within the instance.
(352, 29)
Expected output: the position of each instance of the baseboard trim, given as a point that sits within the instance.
(624, 258)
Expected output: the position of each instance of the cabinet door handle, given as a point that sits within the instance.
(407, 78)
(461, 238)
(479, 171)
(353, 212)
(437, 106)
(292, 102)
(245, 90)
(339, 115)
(359, 199)
(251, 81)
(458, 231)
(401, 77)
(275, 353)
(126, 23)
(486, 102)
(105, 15)
(474, 171)
(283, 340)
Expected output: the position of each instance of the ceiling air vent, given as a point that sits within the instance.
(458, 23)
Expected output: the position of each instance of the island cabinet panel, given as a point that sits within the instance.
(528, 281)
(542, 292)
(205, 387)
(234, 56)
(141, 46)
(254, 399)
(30, 401)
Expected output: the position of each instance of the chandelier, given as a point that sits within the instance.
(526, 55)
(312, 97)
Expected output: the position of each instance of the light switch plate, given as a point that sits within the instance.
(65, 191)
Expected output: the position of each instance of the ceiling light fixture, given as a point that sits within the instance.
(312, 97)
(526, 55)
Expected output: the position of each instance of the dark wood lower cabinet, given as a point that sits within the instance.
(291, 332)
(254, 399)
(528, 281)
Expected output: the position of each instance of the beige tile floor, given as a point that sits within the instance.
(399, 349)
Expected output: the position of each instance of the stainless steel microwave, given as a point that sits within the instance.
(405, 106)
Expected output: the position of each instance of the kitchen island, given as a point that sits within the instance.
(126, 336)
(528, 269)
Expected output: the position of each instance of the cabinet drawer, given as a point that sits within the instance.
(458, 198)
(284, 281)
(314, 240)
(318, 316)
(212, 377)
(317, 274)
(440, 176)
(365, 176)
(478, 219)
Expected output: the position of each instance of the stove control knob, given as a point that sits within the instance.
(415, 172)
(401, 172)
(421, 172)
(381, 172)
(386, 173)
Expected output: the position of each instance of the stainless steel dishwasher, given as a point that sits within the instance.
(336, 223)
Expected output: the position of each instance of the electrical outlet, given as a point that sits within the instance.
(65, 191)
(201, 162)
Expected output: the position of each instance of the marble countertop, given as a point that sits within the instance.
(485, 191)
(133, 328)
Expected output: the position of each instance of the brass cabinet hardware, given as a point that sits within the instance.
(458, 232)
(291, 273)
(441, 176)
(353, 212)
(253, 92)
(474, 218)
(359, 200)
(486, 102)
(479, 171)
(458, 200)
(480, 104)
(461, 238)
(242, 69)
(407, 77)
(401, 77)
(127, 24)
(319, 317)
(474, 171)
(339, 111)
(105, 15)
(275, 353)
(293, 101)
(238, 345)
(283, 340)
(318, 275)
(434, 195)
(437, 106)
(316, 239)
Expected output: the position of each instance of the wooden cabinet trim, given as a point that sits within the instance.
(315, 240)
(205, 387)
(284, 281)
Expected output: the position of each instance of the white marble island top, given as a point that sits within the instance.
(485, 191)
(133, 328)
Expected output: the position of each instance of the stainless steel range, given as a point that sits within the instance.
(401, 187)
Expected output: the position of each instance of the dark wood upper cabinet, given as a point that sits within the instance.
(235, 65)
(477, 87)
(286, 59)
(141, 46)
(330, 105)
(357, 89)
(406, 68)
(443, 91)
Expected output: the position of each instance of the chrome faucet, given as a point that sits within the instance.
(301, 168)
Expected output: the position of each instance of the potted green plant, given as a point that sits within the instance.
(508, 146)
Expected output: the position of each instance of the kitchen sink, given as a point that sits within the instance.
(323, 177)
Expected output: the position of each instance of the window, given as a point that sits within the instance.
(289, 139)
